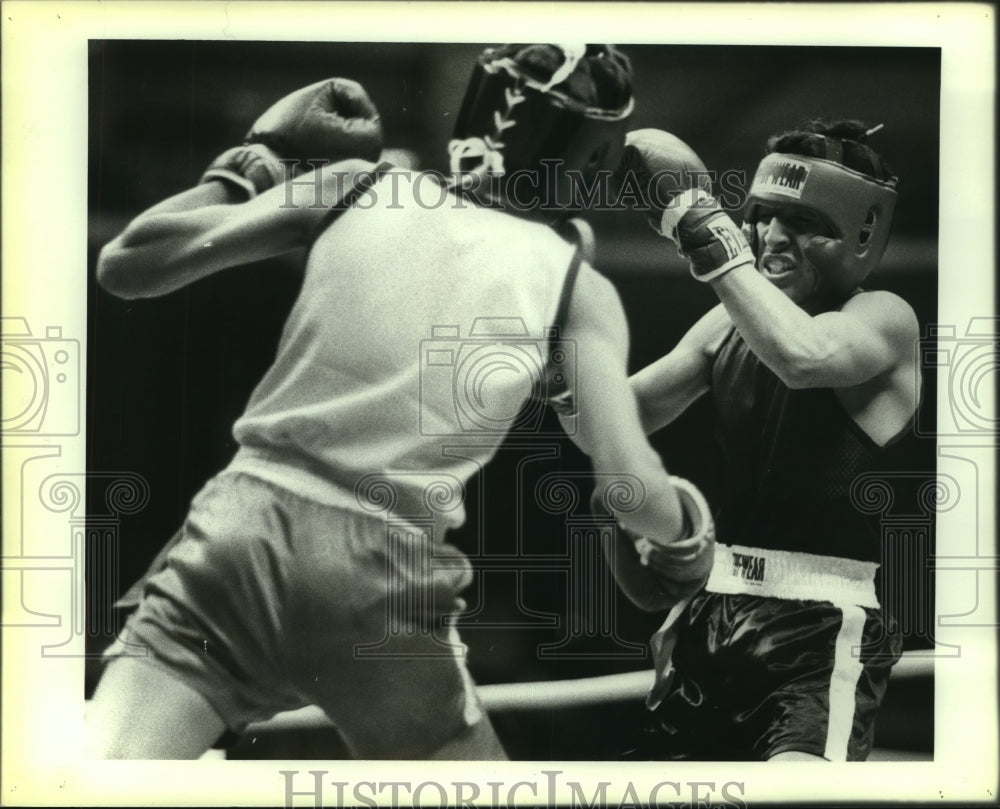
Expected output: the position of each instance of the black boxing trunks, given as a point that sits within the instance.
(760, 663)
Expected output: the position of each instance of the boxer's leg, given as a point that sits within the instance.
(479, 743)
(794, 755)
(141, 711)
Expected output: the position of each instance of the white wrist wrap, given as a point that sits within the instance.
(697, 515)
(719, 271)
(253, 167)
(680, 205)
(719, 245)
(696, 508)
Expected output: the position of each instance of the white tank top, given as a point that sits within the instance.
(419, 333)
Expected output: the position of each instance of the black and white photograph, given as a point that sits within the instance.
(401, 412)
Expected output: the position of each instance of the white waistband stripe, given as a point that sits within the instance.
(791, 575)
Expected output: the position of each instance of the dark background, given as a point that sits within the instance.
(167, 377)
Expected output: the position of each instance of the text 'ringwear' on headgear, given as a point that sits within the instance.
(857, 207)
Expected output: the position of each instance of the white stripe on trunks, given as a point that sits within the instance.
(847, 670)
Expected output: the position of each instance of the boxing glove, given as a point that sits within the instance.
(680, 566)
(706, 235)
(327, 121)
(658, 166)
(684, 563)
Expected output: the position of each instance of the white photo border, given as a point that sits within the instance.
(45, 159)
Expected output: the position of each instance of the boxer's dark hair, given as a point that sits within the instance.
(852, 133)
(602, 79)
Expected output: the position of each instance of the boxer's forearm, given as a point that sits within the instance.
(635, 580)
(777, 330)
(666, 388)
(872, 333)
(127, 265)
(145, 259)
(662, 397)
(200, 196)
(164, 251)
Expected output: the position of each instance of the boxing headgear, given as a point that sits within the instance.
(511, 122)
(858, 209)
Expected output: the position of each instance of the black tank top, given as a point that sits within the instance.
(789, 459)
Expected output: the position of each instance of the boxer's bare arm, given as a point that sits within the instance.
(869, 335)
(666, 388)
(160, 252)
(863, 351)
(197, 233)
(607, 424)
(200, 196)
(636, 580)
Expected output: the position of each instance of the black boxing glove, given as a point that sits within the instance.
(658, 166)
(327, 121)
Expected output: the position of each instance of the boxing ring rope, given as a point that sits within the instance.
(561, 694)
